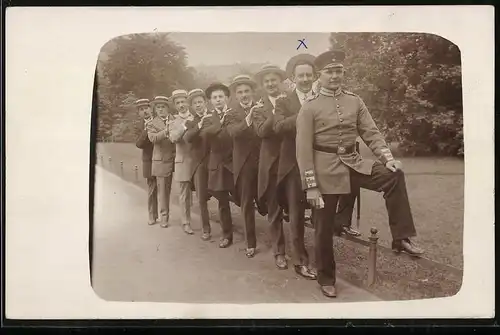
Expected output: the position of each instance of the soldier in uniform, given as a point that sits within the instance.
(327, 127)
(163, 155)
(200, 150)
(270, 77)
(220, 162)
(182, 170)
(300, 70)
(246, 149)
(144, 109)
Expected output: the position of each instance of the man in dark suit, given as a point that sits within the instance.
(246, 150)
(220, 162)
(200, 150)
(144, 109)
(301, 71)
(270, 77)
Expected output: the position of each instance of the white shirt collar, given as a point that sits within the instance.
(203, 113)
(221, 111)
(303, 96)
(273, 100)
(185, 115)
(246, 106)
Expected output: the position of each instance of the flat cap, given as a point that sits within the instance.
(216, 87)
(242, 79)
(298, 59)
(270, 69)
(330, 59)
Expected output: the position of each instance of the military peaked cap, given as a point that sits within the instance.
(330, 59)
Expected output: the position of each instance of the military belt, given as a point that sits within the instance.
(336, 149)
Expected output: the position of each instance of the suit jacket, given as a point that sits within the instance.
(335, 120)
(183, 159)
(287, 110)
(220, 162)
(246, 143)
(263, 123)
(163, 150)
(200, 147)
(146, 147)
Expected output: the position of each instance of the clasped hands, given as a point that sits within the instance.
(249, 117)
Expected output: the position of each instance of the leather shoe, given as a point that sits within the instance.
(281, 262)
(225, 242)
(329, 291)
(250, 252)
(304, 272)
(406, 246)
(187, 229)
(351, 231)
(205, 236)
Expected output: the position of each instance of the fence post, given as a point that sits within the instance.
(121, 168)
(136, 173)
(109, 161)
(372, 257)
(102, 160)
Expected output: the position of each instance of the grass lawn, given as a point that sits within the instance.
(436, 190)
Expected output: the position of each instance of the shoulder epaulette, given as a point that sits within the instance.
(349, 93)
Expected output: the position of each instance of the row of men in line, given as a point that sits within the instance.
(279, 153)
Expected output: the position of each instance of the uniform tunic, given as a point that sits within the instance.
(331, 122)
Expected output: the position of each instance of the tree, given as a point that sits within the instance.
(137, 66)
(412, 85)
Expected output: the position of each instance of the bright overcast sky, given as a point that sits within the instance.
(229, 48)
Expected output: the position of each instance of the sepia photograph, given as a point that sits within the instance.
(272, 167)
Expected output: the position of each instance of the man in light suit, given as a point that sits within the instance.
(163, 155)
(144, 109)
(200, 149)
(182, 169)
(220, 161)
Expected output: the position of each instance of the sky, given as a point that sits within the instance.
(229, 48)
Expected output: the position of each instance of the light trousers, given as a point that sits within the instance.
(185, 200)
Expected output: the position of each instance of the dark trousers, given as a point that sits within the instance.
(393, 186)
(323, 240)
(246, 188)
(152, 199)
(292, 188)
(275, 216)
(200, 180)
(226, 221)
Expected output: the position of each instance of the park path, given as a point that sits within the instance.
(136, 262)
